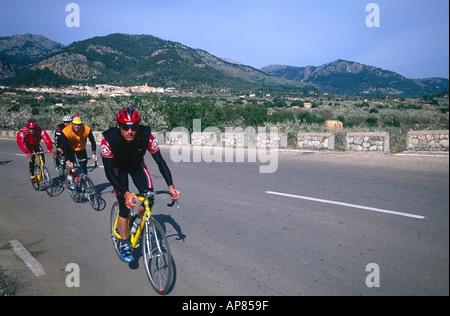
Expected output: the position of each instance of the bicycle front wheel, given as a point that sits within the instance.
(37, 171)
(73, 192)
(114, 230)
(59, 165)
(157, 257)
(91, 193)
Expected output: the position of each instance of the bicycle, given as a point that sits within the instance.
(41, 173)
(58, 163)
(155, 248)
(82, 185)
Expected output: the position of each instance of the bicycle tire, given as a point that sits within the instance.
(58, 167)
(47, 180)
(157, 257)
(36, 173)
(112, 220)
(91, 193)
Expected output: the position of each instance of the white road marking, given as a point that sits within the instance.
(23, 155)
(425, 155)
(27, 258)
(373, 209)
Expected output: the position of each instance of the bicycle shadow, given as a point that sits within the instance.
(137, 253)
(167, 219)
(59, 186)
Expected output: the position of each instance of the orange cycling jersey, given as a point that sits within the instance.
(77, 141)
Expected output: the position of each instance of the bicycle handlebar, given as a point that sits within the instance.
(85, 159)
(41, 152)
(151, 194)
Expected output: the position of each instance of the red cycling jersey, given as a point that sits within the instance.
(27, 141)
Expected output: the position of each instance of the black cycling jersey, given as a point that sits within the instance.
(128, 157)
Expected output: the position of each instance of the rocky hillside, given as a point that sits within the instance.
(121, 59)
(24, 50)
(347, 77)
(125, 60)
(6, 69)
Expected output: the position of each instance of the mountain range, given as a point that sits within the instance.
(346, 77)
(120, 59)
(127, 60)
(24, 50)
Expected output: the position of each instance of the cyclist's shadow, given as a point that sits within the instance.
(163, 220)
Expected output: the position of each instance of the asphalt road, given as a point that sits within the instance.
(230, 237)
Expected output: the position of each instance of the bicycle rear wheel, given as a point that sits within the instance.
(47, 180)
(91, 193)
(157, 257)
(114, 229)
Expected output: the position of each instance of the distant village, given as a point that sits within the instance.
(100, 90)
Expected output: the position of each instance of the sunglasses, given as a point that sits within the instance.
(126, 128)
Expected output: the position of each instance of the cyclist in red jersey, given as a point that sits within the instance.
(28, 140)
(122, 149)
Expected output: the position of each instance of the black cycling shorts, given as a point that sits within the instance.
(141, 180)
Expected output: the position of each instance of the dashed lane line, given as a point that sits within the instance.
(32, 264)
(372, 209)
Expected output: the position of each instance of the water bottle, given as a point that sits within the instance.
(136, 224)
(75, 176)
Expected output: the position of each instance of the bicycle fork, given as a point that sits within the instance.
(153, 235)
(160, 252)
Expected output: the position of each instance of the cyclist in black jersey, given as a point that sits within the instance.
(122, 149)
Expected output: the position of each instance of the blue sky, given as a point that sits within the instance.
(413, 37)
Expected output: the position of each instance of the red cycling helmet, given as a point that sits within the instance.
(32, 123)
(128, 116)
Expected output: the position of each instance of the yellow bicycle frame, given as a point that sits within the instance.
(39, 174)
(134, 238)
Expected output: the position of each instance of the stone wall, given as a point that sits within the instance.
(235, 140)
(177, 138)
(373, 142)
(271, 141)
(267, 140)
(428, 141)
(368, 142)
(8, 134)
(206, 139)
(315, 141)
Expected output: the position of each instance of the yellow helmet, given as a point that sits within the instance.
(76, 120)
